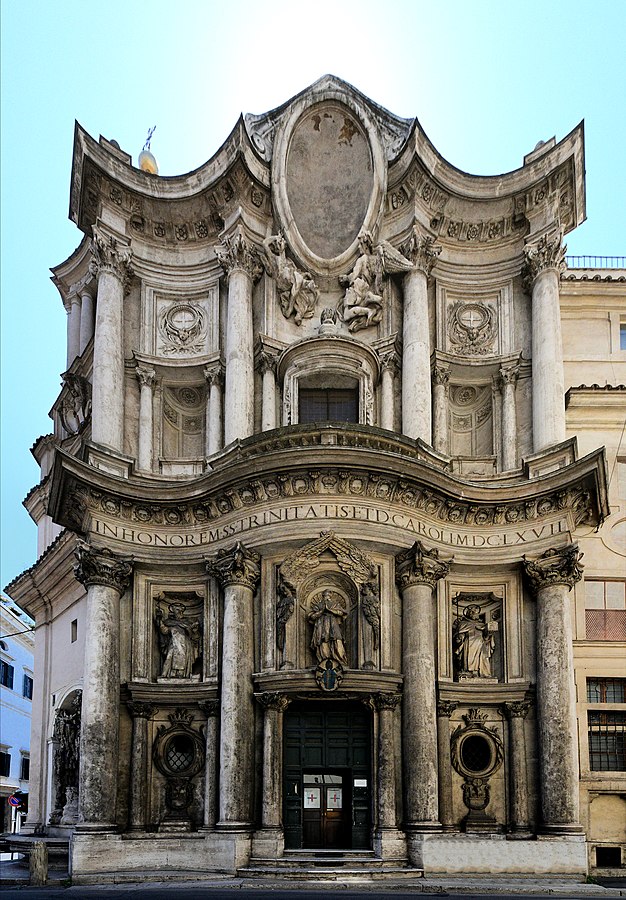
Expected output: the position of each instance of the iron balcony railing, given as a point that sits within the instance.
(596, 262)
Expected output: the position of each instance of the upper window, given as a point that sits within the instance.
(27, 687)
(25, 768)
(6, 674)
(607, 741)
(622, 336)
(606, 690)
(5, 762)
(605, 610)
(328, 405)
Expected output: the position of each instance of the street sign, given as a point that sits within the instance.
(14, 801)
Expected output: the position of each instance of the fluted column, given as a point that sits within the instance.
(274, 705)
(238, 571)
(508, 380)
(416, 390)
(543, 264)
(111, 265)
(267, 367)
(146, 376)
(86, 318)
(241, 263)
(211, 709)
(389, 366)
(441, 379)
(140, 754)
(445, 708)
(214, 376)
(106, 577)
(551, 577)
(516, 711)
(417, 572)
(73, 328)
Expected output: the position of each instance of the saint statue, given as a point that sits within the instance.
(327, 615)
(297, 292)
(179, 640)
(474, 642)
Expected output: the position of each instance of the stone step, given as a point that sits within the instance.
(307, 873)
(58, 849)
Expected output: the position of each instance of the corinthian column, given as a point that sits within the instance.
(238, 572)
(389, 366)
(274, 705)
(146, 377)
(417, 572)
(543, 265)
(211, 709)
(215, 379)
(73, 328)
(416, 397)
(508, 378)
(551, 577)
(141, 712)
(386, 836)
(86, 317)
(445, 708)
(241, 263)
(516, 711)
(267, 367)
(441, 378)
(111, 265)
(106, 577)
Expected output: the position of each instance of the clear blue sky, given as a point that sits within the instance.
(487, 80)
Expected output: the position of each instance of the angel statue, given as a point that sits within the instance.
(297, 292)
(362, 303)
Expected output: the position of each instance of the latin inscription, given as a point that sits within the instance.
(324, 512)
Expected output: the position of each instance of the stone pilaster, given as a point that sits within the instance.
(267, 367)
(516, 711)
(106, 577)
(111, 265)
(211, 709)
(508, 380)
(214, 376)
(241, 262)
(238, 571)
(389, 365)
(551, 578)
(544, 262)
(445, 708)
(140, 754)
(441, 379)
(417, 572)
(270, 839)
(416, 387)
(146, 376)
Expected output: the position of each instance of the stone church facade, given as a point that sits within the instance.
(313, 514)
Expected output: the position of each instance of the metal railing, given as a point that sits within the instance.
(596, 262)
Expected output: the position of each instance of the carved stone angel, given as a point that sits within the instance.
(362, 303)
(297, 292)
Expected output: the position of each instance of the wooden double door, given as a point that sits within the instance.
(327, 776)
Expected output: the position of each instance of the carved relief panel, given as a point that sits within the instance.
(180, 326)
(475, 322)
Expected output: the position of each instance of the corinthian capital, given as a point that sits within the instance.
(273, 700)
(109, 255)
(419, 566)
(548, 253)
(516, 709)
(421, 251)
(235, 252)
(146, 375)
(214, 374)
(102, 566)
(236, 566)
(555, 566)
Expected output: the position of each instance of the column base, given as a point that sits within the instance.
(390, 843)
(560, 830)
(269, 842)
(234, 827)
(423, 828)
(95, 828)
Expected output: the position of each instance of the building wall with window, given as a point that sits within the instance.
(16, 694)
(331, 521)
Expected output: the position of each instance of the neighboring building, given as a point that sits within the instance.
(337, 428)
(16, 696)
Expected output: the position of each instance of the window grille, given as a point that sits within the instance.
(606, 690)
(607, 741)
(605, 613)
(328, 405)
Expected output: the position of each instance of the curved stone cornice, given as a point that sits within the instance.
(238, 565)
(307, 462)
(417, 565)
(102, 566)
(555, 566)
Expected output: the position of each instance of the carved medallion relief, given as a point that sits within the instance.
(180, 327)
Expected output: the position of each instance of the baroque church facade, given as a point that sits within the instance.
(313, 513)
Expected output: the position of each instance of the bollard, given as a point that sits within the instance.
(39, 864)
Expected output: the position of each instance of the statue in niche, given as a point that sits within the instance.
(474, 642)
(327, 615)
(297, 292)
(285, 604)
(66, 736)
(362, 303)
(180, 638)
(76, 404)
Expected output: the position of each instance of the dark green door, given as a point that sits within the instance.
(327, 776)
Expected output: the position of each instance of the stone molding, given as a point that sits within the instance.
(555, 566)
(236, 253)
(548, 253)
(417, 565)
(422, 251)
(517, 709)
(102, 566)
(273, 700)
(236, 566)
(140, 709)
(109, 255)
